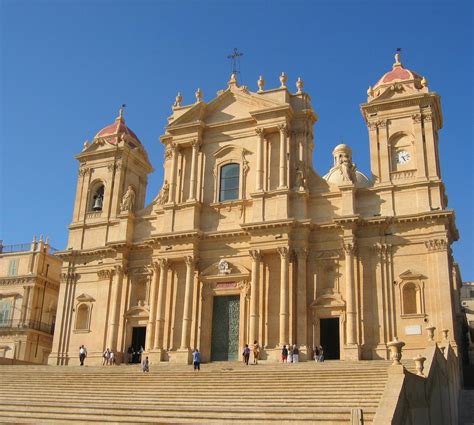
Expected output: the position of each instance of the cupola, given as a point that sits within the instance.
(118, 131)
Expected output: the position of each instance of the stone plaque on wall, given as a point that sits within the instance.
(413, 330)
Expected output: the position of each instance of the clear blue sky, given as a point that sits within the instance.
(67, 66)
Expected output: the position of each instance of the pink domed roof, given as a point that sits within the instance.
(113, 132)
(398, 73)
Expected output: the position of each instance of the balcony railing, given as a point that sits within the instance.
(23, 247)
(17, 324)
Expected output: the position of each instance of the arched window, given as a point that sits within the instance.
(82, 317)
(411, 299)
(97, 199)
(229, 182)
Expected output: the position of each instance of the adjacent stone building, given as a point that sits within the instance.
(467, 303)
(29, 288)
(246, 241)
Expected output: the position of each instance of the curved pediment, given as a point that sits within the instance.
(225, 270)
(332, 300)
(138, 311)
(85, 298)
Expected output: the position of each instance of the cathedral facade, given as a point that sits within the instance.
(246, 242)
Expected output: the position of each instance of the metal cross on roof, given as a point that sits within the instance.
(234, 56)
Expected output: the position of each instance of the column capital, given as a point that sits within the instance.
(382, 123)
(283, 127)
(301, 253)
(436, 245)
(260, 131)
(256, 254)
(190, 260)
(283, 251)
(350, 248)
(163, 263)
(195, 143)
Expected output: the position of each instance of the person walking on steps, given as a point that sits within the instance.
(296, 354)
(256, 352)
(284, 354)
(290, 354)
(82, 354)
(246, 354)
(146, 365)
(196, 359)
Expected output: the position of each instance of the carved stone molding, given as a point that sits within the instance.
(382, 123)
(105, 274)
(417, 118)
(283, 128)
(190, 260)
(436, 245)
(382, 248)
(259, 131)
(69, 277)
(195, 143)
(83, 171)
(329, 254)
(19, 280)
(244, 286)
(372, 125)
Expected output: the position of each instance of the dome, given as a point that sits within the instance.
(397, 75)
(336, 177)
(114, 132)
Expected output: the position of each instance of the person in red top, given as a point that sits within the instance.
(284, 354)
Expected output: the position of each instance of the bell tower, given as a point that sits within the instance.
(111, 186)
(403, 118)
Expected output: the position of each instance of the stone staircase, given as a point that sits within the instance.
(333, 392)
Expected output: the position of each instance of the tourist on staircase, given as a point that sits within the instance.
(82, 354)
(284, 354)
(256, 352)
(296, 354)
(246, 354)
(290, 354)
(146, 365)
(196, 359)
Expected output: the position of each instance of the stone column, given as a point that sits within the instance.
(284, 306)
(150, 329)
(259, 167)
(192, 190)
(174, 164)
(115, 300)
(419, 147)
(254, 289)
(163, 264)
(188, 293)
(301, 303)
(24, 304)
(384, 151)
(351, 334)
(283, 129)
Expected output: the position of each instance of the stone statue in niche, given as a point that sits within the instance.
(223, 267)
(164, 194)
(128, 200)
(300, 180)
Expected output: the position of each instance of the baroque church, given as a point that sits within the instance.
(246, 242)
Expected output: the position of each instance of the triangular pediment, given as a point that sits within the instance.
(224, 269)
(235, 103)
(411, 275)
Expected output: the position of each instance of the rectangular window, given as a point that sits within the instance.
(229, 184)
(472, 294)
(5, 310)
(13, 267)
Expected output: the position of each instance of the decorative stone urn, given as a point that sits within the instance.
(396, 350)
(419, 364)
(430, 330)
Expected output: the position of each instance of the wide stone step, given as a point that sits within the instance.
(77, 413)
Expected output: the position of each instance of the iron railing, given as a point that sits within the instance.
(22, 247)
(17, 324)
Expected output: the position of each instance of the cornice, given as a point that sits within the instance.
(268, 225)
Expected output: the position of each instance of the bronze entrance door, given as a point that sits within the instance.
(225, 328)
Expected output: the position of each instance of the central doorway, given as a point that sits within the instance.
(225, 328)
(138, 342)
(330, 338)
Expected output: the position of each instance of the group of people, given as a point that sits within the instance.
(290, 354)
(135, 355)
(255, 350)
(318, 353)
(108, 357)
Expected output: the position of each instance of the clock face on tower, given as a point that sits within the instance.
(403, 157)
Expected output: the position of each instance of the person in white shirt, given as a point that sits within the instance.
(82, 354)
